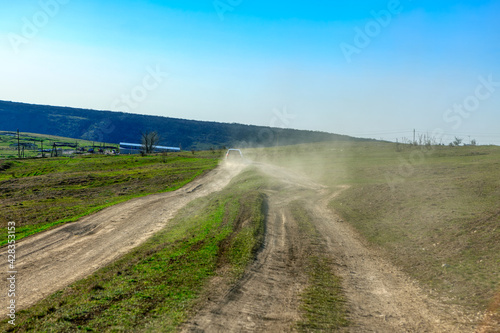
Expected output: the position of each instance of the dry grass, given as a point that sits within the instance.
(434, 211)
(323, 303)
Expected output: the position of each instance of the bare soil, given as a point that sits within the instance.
(53, 259)
(380, 297)
(266, 298)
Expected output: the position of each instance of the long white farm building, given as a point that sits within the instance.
(135, 148)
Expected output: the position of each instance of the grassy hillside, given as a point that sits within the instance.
(155, 287)
(40, 193)
(115, 127)
(435, 211)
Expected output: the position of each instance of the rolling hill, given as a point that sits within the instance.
(115, 127)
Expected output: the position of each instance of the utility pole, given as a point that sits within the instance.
(413, 136)
(18, 145)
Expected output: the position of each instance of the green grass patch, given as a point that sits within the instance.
(154, 287)
(323, 303)
(8, 144)
(42, 193)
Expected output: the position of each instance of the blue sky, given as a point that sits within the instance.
(374, 69)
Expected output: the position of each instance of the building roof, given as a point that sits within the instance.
(138, 146)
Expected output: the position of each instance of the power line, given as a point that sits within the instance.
(419, 132)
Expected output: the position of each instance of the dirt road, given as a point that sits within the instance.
(53, 259)
(266, 299)
(380, 297)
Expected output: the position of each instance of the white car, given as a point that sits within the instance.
(234, 155)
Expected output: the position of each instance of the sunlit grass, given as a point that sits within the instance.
(154, 287)
(39, 194)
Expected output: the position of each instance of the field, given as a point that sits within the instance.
(156, 286)
(434, 211)
(40, 193)
(33, 142)
(279, 234)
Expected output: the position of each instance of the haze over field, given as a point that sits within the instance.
(376, 69)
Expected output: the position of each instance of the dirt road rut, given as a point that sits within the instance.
(380, 297)
(266, 299)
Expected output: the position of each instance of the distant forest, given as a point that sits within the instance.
(115, 127)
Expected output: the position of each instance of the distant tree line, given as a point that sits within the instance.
(115, 127)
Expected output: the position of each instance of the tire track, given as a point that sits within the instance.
(380, 297)
(265, 299)
(51, 260)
